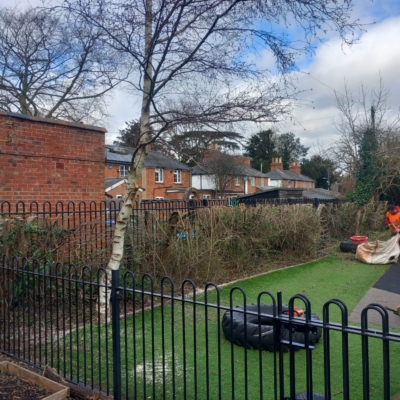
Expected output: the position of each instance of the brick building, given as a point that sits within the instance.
(162, 177)
(292, 178)
(50, 160)
(246, 182)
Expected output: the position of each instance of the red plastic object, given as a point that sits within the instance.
(359, 239)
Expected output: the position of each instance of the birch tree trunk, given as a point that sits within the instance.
(123, 218)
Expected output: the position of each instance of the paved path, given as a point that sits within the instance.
(383, 297)
(386, 292)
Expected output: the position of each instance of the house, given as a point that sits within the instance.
(245, 182)
(292, 178)
(162, 177)
(50, 160)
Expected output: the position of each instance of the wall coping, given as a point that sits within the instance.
(53, 121)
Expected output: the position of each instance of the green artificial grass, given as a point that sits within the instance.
(179, 351)
(320, 281)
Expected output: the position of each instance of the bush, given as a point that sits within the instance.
(214, 243)
(339, 222)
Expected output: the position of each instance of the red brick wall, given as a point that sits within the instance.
(114, 173)
(50, 160)
(121, 189)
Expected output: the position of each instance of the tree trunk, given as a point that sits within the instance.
(135, 172)
(358, 221)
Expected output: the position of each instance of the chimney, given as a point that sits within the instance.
(276, 163)
(211, 152)
(295, 167)
(244, 160)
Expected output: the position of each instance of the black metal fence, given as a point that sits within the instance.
(162, 345)
(81, 233)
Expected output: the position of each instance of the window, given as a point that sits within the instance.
(159, 175)
(159, 198)
(177, 176)
(123, 170)
(253, 181)
(207, 196)
(237, 183)
(118, 196)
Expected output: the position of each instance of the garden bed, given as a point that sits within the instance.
(19, 383)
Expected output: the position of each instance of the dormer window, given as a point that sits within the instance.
(159, 175)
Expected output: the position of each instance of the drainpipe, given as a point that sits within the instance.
(246, 180)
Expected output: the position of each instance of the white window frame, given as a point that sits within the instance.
(177, 176)
(123, 171)
(159, 198)
(237, 182)
(206, 196)
(159, 175)
(252, 181)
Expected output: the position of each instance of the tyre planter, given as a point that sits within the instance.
(348, 246)
(248, 334)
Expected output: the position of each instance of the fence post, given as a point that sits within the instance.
(116, 334)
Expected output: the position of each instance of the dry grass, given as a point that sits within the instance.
(225, 241)
(209, 244)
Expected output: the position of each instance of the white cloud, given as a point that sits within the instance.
(376, 55)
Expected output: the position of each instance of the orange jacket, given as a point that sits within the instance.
(390, 218)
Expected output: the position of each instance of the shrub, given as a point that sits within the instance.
(214, 243)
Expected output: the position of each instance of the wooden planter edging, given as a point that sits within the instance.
(60, 392)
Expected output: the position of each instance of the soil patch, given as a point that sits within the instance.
(15, 388)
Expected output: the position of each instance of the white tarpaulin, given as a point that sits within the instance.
(379, 252)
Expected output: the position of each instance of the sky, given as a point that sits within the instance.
(331, 66)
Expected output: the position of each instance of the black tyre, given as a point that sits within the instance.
(248, 334)
(348, 246)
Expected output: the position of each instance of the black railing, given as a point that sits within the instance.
(253, 201)
(81, 233)
(190, 346)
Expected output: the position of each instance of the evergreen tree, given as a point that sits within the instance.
(366, 170)
(261, 148)
(365, 173)
(190, 146)
(321, 169)
(130, 135)
(289, 148)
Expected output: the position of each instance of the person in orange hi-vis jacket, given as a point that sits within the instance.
(393, 217)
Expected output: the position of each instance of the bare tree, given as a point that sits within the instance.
(194, 65)
(368, 109)
(223, 168)
(54, 65)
